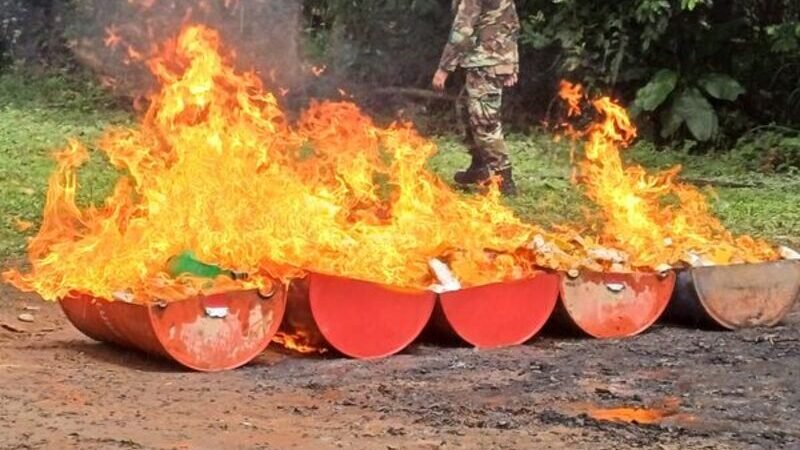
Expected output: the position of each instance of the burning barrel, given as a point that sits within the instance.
(738, 296)
(613, 305)
(498, 315)
(207, 334)
(356, 318)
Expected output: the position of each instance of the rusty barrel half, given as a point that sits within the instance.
(614, 305)
(358, 319)
(207, 334)
(498, 315)
(738, 296)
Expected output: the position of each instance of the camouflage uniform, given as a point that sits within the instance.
(484, 42)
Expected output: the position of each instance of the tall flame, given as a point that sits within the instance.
(654, 219)
(216, 168)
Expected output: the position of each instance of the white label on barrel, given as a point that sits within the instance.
(217, 313)
(615, 287)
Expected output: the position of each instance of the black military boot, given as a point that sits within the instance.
(476, 173)
(507, 185)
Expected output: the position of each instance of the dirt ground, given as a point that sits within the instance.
(704, 390)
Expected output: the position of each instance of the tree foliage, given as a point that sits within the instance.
(682, 61)
(704, 69)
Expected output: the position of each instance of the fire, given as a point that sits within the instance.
(216, 168)
(112, 38)
(630, 415)
(134, 55)
(143, 4)
(572, 94)
(299, 342)
(22, 225)
(317, 71)
(668, 409)
(654, 219)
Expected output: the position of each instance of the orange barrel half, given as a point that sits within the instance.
(738, 296)
(615, 305)
(207, 334)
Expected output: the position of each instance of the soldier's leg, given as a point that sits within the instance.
(477, 172)
(469, 137)
(485, 92)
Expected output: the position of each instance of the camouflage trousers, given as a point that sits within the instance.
(485, 131)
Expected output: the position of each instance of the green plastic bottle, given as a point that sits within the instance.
(187, 263)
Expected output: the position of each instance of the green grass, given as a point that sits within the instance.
(38, 114)
(747, 202)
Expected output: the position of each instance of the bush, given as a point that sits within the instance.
(683, 61)
(770, 149)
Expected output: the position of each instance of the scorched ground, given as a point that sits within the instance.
(61, 390)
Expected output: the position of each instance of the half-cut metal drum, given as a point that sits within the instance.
(738, 296)
(356, 318)
(614, 305)
(208, 334)
(498, 315)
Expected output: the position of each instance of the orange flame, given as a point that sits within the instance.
(572, 94)
(317, 71)
(134, 55)
(299, 342)
(112, 38)
(641, 416)
(143, 4)
(654, 219)
(22, 225)
(215, 167)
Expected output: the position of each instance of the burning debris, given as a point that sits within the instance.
(447, 281)
(299, 342)
(789, 254)
(666, 411)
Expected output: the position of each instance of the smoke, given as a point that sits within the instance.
(114, 37)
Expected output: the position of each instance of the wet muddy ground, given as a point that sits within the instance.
(691, 389)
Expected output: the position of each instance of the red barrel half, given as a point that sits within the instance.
(502, 314)
(357, 318)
